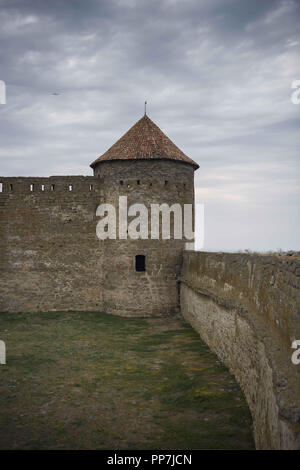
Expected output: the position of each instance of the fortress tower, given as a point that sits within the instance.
(140, 277)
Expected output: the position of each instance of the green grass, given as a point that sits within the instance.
(94, 381)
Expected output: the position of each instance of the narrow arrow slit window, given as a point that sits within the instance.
(140, 263)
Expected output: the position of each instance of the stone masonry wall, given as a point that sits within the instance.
(247, 309)
(153, 292)
(51, 258)
(50, 255)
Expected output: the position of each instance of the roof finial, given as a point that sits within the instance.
(145, 108)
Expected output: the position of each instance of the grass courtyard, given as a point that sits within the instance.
(94, 381)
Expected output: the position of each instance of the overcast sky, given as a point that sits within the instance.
(217, 76)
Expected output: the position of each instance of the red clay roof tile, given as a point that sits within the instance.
(144, 140)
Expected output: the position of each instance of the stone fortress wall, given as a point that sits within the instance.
(50, 255)
(52, 259)
(247, 309)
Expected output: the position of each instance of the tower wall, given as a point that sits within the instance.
(155, 291)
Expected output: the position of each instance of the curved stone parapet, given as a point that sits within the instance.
(247, 309)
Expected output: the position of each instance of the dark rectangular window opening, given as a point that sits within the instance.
(140, 263)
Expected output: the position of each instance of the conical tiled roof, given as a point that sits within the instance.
(146, 141)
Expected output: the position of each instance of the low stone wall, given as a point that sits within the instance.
(247, 309)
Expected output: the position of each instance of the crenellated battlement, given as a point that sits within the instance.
(44, 185)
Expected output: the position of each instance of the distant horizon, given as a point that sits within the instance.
(249, 252)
